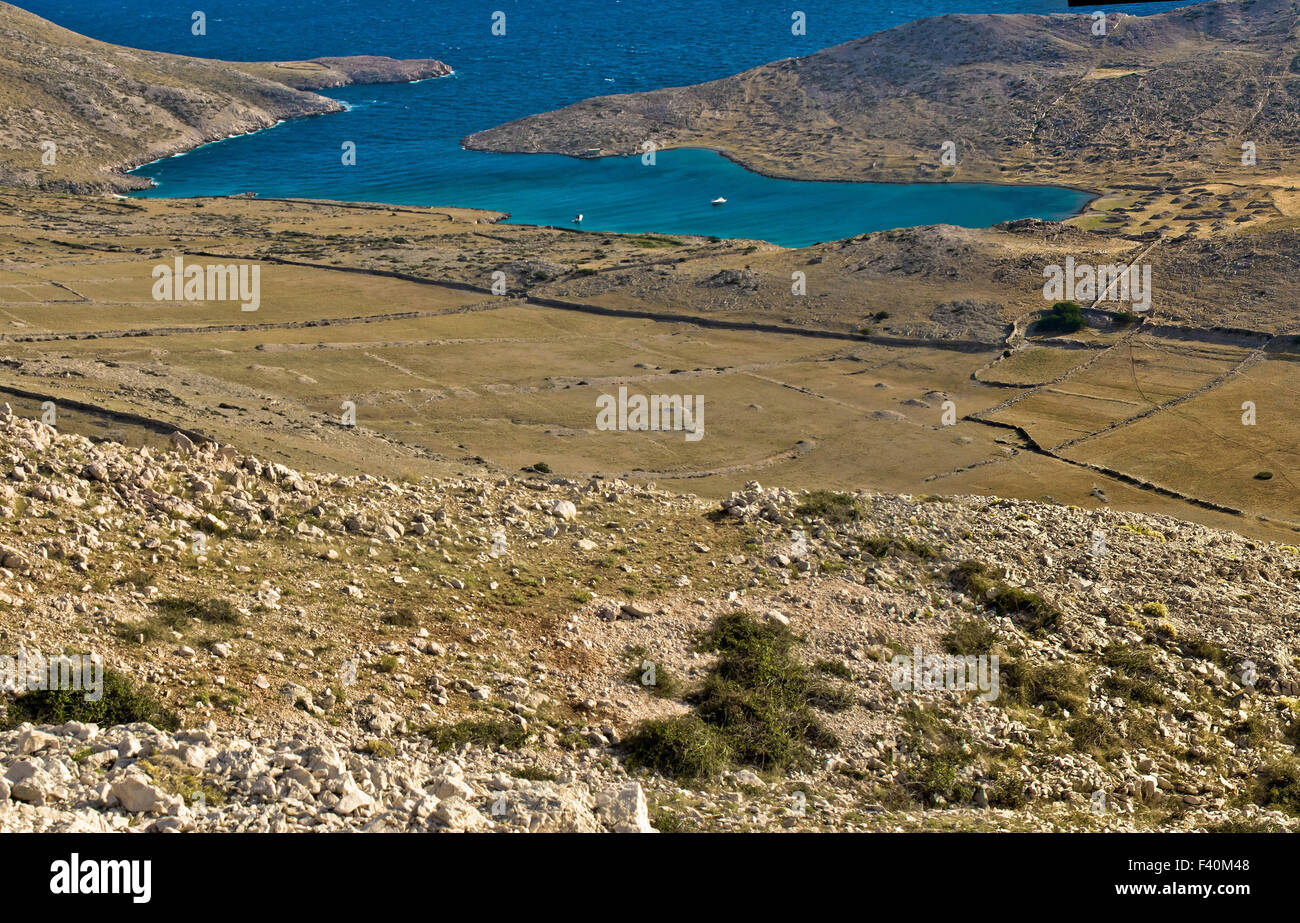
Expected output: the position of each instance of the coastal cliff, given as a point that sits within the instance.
(78, 112)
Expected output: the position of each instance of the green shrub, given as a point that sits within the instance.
(754, 708)
(922, 550)
(1206, 650)
(1253, 731)
(1007, 791)
(666, 684)
(943, 751)
(214, 611)
(1135, 676)
(533, 774)
(758, 695)
(834, 668)
(1029, 610)
(969, 636)
(121, 703)
(652, 241)
(177, 777)
(1052, 687)
(876, 545)
(938, 775)
(1093, 733)
(1291, 734)
(1064, 317)
(666, 821)
(683, 747)
(483, 732)
(1244, 826)
(759, 730)
(829, 506)
(1277, 785)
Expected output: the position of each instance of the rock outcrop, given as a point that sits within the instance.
(304, 651)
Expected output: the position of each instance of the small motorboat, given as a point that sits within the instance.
(719, 201)
(577, 219)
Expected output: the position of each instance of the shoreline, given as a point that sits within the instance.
(127, 171)
(733, 158)
(1092, 194)
(124, 181)
(199, 147)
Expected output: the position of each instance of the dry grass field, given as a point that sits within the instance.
(392, 309)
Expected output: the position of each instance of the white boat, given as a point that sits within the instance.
(577, 219)
(719, 201)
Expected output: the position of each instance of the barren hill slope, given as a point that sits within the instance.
(303, 651)
(107, 108)
(1018, 95)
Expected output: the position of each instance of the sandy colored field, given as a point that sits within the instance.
(391, 309)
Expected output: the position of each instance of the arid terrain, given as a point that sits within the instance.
(364, 558)
(393, 310)
(1150, 104)
(550, 653)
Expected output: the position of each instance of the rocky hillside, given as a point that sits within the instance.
(107, 108)
(1020, 96)
(290, 651)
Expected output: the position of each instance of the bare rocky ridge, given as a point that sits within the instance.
(1024, 98)
(323, 73)
(109, 108)
(491, 624)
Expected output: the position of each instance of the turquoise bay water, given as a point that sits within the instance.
(408, 136)
(624, 195)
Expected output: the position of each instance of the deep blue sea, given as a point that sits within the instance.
(554, 52)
